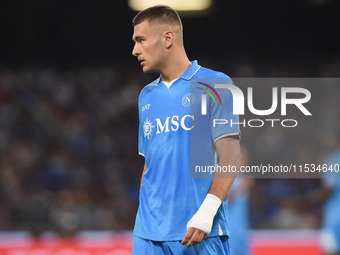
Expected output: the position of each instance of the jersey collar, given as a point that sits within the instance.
(189, 73)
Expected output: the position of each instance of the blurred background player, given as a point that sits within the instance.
(328, 196)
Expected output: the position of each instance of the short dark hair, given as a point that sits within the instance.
(160, 14)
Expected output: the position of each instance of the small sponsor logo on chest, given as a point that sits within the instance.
(145, 107)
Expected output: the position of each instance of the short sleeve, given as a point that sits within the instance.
(224, 122)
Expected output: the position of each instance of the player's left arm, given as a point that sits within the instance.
(200, 224)
(229, 151)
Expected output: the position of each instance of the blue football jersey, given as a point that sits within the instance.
(332, 206)
(169, 119)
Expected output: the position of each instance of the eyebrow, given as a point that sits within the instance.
(138, 37)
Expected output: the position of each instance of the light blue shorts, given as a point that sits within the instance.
(330, 239)
(212, 245)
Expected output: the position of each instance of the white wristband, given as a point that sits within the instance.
(204, 217)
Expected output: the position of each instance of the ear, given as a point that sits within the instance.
(169, 38)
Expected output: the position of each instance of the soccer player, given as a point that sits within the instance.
(178, 214)
(329, 196)
(331, 218)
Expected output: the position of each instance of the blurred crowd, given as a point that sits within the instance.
(68, 148)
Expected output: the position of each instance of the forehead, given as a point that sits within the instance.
(143, 29)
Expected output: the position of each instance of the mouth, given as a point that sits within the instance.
(141, 61)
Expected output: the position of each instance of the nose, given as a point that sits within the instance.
(136, 50)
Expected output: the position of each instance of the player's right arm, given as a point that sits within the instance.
(201, 223)
(144, 169)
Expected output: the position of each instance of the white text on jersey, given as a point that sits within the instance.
(145, 107)
(174, 124)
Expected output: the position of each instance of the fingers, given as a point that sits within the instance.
(187, 236)
(196, 236)
(193, 239)
(201, 237)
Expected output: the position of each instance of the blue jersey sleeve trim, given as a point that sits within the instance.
(228, 134)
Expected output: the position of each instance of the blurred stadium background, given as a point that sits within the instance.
(69, 167)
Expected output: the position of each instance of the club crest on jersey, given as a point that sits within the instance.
(147, 128)
(188, 99)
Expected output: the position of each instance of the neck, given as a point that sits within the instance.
(175, 67)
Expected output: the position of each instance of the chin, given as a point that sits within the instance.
(145, 70)
(149, 70)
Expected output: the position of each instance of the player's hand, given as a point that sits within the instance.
(193, 236)
(199, 226)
